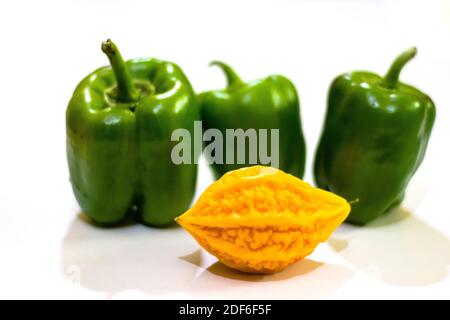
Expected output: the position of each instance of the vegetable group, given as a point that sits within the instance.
(374, 139)
(269, 103)
(119, 126)
(260, 219)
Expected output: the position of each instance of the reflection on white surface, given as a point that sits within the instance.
(397, 248)
(128, 257)
(163, 262)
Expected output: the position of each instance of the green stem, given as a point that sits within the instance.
(126, 90)
(232, 78)
(391, 78)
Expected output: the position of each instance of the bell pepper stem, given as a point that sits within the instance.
(391, 79)
(232, 78)
(126, 90)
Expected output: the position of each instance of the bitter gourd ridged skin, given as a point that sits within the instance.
(260, 219)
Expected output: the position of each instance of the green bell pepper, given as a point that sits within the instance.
(119, 123)
(269, 103)
(374, 139)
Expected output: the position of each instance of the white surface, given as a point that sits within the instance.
(46, 251)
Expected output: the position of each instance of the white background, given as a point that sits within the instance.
(46, 47)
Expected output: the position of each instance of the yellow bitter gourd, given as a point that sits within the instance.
(260, 219)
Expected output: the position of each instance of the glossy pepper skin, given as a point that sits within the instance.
(374, 139)
(269, 103)
(119, 124)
